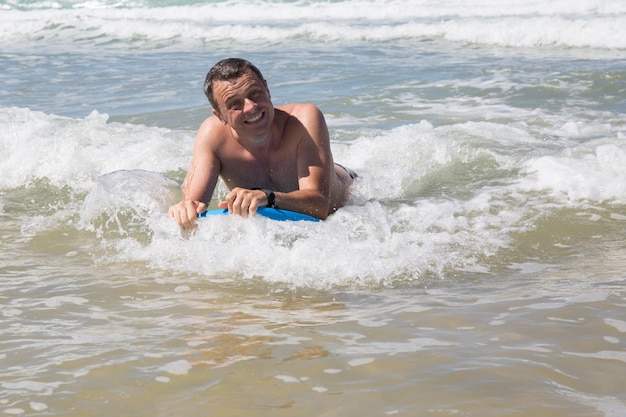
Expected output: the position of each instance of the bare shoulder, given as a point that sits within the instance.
(301, 111)
(305, 118)
(211, 133)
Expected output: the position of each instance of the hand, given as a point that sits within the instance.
(243, 202)
(186, 212)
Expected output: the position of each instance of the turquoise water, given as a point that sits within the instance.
(477, 271)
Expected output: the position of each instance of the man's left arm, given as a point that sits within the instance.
(314, 165)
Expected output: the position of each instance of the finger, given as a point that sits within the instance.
(254, 205)
(192, 213)
(239, 207)
(186, 214)
(182, 220)
(179, 216)
(249, 203)
(230, 200)
(201, 207)
(175, 213)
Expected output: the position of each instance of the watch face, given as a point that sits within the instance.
(271, 198)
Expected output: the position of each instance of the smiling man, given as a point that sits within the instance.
(267, 156)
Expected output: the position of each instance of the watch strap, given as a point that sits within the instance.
(271, 197)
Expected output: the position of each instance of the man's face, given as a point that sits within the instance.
(244, 104)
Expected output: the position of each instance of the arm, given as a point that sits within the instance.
(200, 180)
(314, 162)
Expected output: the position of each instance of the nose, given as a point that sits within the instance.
(248, 105)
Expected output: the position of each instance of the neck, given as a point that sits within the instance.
(260, 142)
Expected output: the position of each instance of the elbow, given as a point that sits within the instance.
(325, 210)
(321, 216)
(319, 211)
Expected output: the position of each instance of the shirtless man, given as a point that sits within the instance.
(267, 156)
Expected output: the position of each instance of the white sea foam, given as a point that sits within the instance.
(75, 151)
(594, 172)
(620, 325)
(45, 388)
(399, 224)
(587, 24)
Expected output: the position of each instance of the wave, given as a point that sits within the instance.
(72, 152)
(430, 200)
(400, 162)
(377, 9)
(148, 25)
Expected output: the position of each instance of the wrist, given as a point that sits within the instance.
(270, 196)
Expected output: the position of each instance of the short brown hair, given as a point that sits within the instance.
(226, 70)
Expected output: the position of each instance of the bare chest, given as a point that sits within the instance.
(277, 171)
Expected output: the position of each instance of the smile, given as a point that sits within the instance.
(255, 118)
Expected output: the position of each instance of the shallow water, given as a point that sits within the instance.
(477, 271)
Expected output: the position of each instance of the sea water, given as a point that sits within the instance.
(478, 269)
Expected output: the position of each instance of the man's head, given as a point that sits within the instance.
(227, 70)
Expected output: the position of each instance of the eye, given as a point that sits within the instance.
(234, 105)
(254, 95)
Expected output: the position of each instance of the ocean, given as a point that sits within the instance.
(477, 270)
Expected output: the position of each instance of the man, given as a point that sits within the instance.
(267, 156)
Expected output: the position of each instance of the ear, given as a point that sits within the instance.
(216, 114)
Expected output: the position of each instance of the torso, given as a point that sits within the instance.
(273, 167)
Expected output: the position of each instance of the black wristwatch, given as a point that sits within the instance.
(271, 197)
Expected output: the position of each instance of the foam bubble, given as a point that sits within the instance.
(38, 406)
(360, 361)
(620, 325)
(182, 288)
(288, 379)
(57, 301)
(180, 367)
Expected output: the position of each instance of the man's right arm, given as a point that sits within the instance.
(200, 180)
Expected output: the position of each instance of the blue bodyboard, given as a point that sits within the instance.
(270, 213)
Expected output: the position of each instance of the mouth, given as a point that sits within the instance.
(256, 118)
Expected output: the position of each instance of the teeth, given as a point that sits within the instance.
(255, 118)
